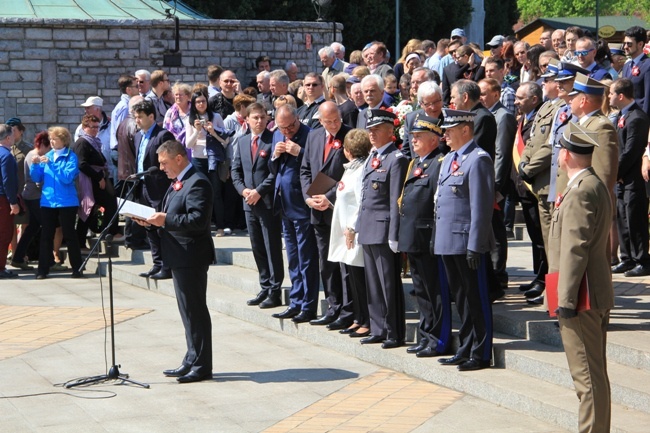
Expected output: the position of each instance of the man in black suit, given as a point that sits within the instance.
(184, 226)
(324, 154)
(347, 107)
(631, 199)
(449, 73)
(254, 182)
(638, 68)
(313, 85)
(153, 187)
(466, 95)
(416, 228)
(373, 91)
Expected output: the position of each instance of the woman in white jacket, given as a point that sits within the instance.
(343, 245)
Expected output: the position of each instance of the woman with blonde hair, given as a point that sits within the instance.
(410, 47)
(57, 171)
(178, 114)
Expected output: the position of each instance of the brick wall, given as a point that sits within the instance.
(49, 67)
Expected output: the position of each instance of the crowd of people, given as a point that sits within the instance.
(368, 171)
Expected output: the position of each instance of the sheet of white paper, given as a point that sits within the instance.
(135, 210)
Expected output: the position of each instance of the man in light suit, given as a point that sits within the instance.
(332, 64)
(153, 187)
(579, 240)
(378, 227)
(288, 150)
(188, 249)
(430, 103)
(464, 203)
(324, 154)
(631, 199)
(416, 228)
(255, 183)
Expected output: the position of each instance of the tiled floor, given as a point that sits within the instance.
(384, 401)
(26, 328)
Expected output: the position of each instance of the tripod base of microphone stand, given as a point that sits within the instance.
(113, 374)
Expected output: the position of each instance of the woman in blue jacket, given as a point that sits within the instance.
(57, 171)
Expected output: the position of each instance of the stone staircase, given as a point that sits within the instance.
(530, 376)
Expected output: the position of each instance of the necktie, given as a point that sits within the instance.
(454, 164)
(328, 146)
(372, 156)
(254, 147)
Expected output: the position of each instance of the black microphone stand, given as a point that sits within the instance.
(114, 371)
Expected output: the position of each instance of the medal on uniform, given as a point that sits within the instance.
(454, 166)
(263, 154)
(558, 201)
(375, 185)
(336, 144)
(341, 186)
(563, 117)
(417, 172)
(177, 185)
(375, 163)
(636, 71)
(454, 189)
(621, 122)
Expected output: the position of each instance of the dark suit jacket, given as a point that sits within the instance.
(349, 113)
(449, 77)
(407, 147)
(312, 163)
(416, 210)
(126, 164)
(632, 141)
(186, 239)
(641, 82)
(155, 185)
(256, 175)
(288, 196)
(308, 114)
(485, 129)
(506, 131)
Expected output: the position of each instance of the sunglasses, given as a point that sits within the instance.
(583, 53)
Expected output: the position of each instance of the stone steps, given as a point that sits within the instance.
(530, 374)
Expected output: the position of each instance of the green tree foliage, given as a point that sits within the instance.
(363, 20)
(500, 16)
(533, 9)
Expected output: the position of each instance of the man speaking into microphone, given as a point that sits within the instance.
(187, 248)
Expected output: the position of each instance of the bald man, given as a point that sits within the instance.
(324, 154)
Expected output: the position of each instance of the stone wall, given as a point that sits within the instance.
(49, 67)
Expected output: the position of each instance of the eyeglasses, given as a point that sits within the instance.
(288, 127)
(627, 44)
(311, 84)
(429, 104)
(200, 101)
(583, 53)
(142, 81)
(543, 65)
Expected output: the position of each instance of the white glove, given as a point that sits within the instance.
(393, 246)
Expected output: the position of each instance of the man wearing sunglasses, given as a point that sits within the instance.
(585, 53)
(638, 68)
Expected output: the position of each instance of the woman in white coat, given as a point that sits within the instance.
(343, 245)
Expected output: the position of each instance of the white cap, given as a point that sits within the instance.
(93, 100)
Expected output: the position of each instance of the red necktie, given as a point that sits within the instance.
(328, 146)
(254, 147)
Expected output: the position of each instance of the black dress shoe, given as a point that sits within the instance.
(638, 271)
(428, 352)
(624, 266)
(162, 275)
(493, 295)
(178, 372)
(355, 334)
(304, 316)
(257, 300)
(338, 324)
(535, 291)
(287, 314)
(538, 300)
(416, 348)
(526, 287)
(373, 339)
(150, 272)
(391, 343)
(324, 320)
(348, 330)
(473, 364)
(454, 360)
(272, 301)
(193, 376)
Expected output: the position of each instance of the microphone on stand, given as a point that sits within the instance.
(151, 170)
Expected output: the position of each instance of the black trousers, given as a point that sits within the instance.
(534, 228)
(265, 231)
(65, 217)
(190, 285)
(358, 291)
(632, 224)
